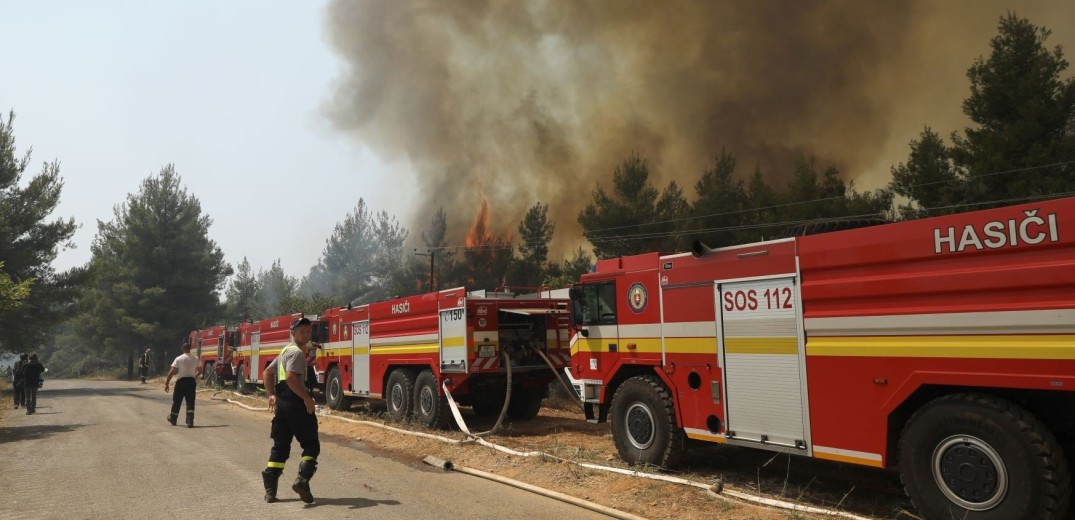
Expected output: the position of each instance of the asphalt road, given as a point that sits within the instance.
(99, 449)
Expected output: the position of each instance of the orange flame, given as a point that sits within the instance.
(478, 234)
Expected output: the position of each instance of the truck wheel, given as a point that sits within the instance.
(430, 408)
(524, 405)
(487, 404)
(334, 391)
(644, 423)
(976, 456)
(209, 373)
(244, 388)
(486, 408)
(399, 395)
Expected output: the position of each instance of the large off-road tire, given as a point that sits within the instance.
(979, 457)
(644, 423)
(430, 408)
(334, 391)
(525, 404)
(399, 394)
(240, 381)
(487, 404)
(209, 375)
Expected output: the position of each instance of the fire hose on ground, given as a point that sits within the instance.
(448, 466)
(716, 490)
(503, 408)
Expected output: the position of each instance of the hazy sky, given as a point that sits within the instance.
(230, 92)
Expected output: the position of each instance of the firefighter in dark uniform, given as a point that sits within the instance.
(293, 414)
(143, 365)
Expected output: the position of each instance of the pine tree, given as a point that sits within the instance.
(535, 233)
(1024, 111)
(155, 273)
(29, 243)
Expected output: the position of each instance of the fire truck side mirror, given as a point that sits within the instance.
(575, 293)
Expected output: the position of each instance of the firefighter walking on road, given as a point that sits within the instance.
(17, 381)
(293, 414)
(187, 368)
(143, 365)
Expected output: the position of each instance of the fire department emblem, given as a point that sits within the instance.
(637, 298)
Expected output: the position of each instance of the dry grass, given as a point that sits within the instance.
(7, 401)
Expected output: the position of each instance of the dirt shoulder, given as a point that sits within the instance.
(7, 401)
(564, 433)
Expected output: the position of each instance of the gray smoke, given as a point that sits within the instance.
(540, 100)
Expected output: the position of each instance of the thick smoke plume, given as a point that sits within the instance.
(542, 99)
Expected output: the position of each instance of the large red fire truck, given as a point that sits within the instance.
(944, 346)
(403, 350)
(214, 346)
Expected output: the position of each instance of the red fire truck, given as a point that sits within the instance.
(214, 347)
(402, 350)
(259, 343)
(944, 346)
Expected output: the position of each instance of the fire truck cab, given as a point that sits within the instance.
(943, 346)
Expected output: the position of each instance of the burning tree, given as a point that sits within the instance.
(487, 257)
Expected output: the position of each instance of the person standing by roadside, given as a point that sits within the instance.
(17, 383)
(293, 410)
(143, 364)
(31, 378)
(186, 366)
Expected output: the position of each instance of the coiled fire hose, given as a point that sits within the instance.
(503, 410)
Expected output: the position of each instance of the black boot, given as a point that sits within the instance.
(190, 418)
(307, 468)
(271, 477)
(172, 418)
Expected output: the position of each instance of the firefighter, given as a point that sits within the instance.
(31, 381)
(143, 365)
(293, 414)
(17, 382)
(188, 369)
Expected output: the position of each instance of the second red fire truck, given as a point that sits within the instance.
(403, 350)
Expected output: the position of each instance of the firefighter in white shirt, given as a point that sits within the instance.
(187, 368)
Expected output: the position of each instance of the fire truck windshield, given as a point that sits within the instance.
(596, 305)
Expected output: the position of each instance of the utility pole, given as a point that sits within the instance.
(432, 262)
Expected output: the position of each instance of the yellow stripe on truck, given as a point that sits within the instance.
(788, 346)
(454, 342)
(406, 349)
(848, 458)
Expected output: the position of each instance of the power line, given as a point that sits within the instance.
(589, 234)
(825, 199)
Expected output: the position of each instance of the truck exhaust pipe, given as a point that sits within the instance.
(698, 249)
